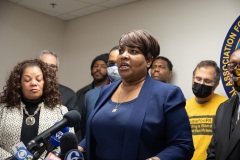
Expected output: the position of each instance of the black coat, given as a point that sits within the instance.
(68, 97)
(225, 144)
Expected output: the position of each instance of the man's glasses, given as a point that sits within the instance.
(54, 67)
(232, 66)
(205, 81)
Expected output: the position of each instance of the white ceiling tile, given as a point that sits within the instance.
(92, 1)
(66, 17)
(87, 10)
(69, 9)
(114, 3)
(48, 12)
(62, 6)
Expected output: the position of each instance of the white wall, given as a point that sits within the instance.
(23, 33)
(188, 31)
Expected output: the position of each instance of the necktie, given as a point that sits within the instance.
(238, 113)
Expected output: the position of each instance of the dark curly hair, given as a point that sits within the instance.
(142, 40)
(12, 93)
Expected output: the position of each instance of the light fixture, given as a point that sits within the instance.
(53, 4)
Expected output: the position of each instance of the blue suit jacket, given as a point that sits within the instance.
(89, 103)
(158, 124)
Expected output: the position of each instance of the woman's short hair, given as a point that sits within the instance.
(142, 40)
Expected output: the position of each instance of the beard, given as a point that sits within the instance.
(100, 77)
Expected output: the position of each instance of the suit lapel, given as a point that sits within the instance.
(104, 95)
(235, 134)
(135, 120)
(226, 124)
(234, 140)
(133, 129)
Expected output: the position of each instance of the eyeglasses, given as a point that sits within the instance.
(205, 81)
(232, 66)
(53, 66)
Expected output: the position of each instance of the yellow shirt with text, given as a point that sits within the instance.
(201, 118)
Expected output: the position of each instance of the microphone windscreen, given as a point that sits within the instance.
(68, 142)
(73, 118)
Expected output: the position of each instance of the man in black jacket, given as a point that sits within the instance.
(225, 143)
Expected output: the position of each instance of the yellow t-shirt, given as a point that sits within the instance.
(201, 118)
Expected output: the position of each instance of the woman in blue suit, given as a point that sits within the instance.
(138, 118)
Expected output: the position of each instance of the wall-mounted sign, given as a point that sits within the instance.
(231, 43)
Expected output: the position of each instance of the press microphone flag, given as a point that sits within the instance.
(55, 138)
(21, 153)
(52, 156)
(74, 154)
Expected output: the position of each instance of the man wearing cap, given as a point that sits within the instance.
(92, 95)
(100, 78)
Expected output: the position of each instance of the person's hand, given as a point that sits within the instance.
(80, 149)
(153, 158)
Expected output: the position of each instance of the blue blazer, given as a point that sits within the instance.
(158, 124)
(89, 103)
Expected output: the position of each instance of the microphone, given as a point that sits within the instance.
(69, 147)
(20, 152)
(55, 139)
(38, 144)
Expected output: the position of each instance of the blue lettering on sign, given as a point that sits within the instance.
(231, 43)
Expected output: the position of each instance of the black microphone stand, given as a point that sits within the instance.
(37, 149)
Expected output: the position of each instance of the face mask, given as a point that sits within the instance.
(236, 72)
(235, 79)
(113, 73)
(201, 90)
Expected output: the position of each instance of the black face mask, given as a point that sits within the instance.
(235, 79)
(201, 90)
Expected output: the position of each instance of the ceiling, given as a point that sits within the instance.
(70, 9)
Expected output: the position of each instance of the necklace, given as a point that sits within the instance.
(118, 104)
(30, 120)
